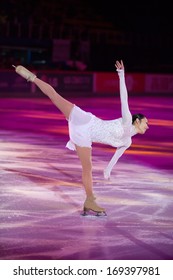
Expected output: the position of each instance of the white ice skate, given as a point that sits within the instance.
(25, 73)
(91, 205)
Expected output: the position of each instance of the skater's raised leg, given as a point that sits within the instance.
(61, 103)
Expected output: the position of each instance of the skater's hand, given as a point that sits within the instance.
(106, 174)
(119, 65)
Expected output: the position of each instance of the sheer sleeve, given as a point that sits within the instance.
(126, 119)
(113, 161)
(126, 115)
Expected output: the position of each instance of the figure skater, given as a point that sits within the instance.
(85, 129)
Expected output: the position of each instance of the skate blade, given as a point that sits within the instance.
(93, 213)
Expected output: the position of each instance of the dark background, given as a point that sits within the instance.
(139, 32)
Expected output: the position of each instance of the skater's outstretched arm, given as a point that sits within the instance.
(113, 161)
(126, 115)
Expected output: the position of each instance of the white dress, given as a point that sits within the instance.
(85, 128)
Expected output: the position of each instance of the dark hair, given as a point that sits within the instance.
(137, 116)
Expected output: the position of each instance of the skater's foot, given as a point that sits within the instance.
(90, 204)
(25, 73)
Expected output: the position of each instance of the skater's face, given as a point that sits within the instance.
(142, 125)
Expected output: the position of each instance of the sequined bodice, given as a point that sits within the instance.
(110, 132)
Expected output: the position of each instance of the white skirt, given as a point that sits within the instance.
(79, 128)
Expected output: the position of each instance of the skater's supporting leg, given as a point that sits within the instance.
(85, 157)
(61, 103)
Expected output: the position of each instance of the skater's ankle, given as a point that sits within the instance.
(90, 196)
